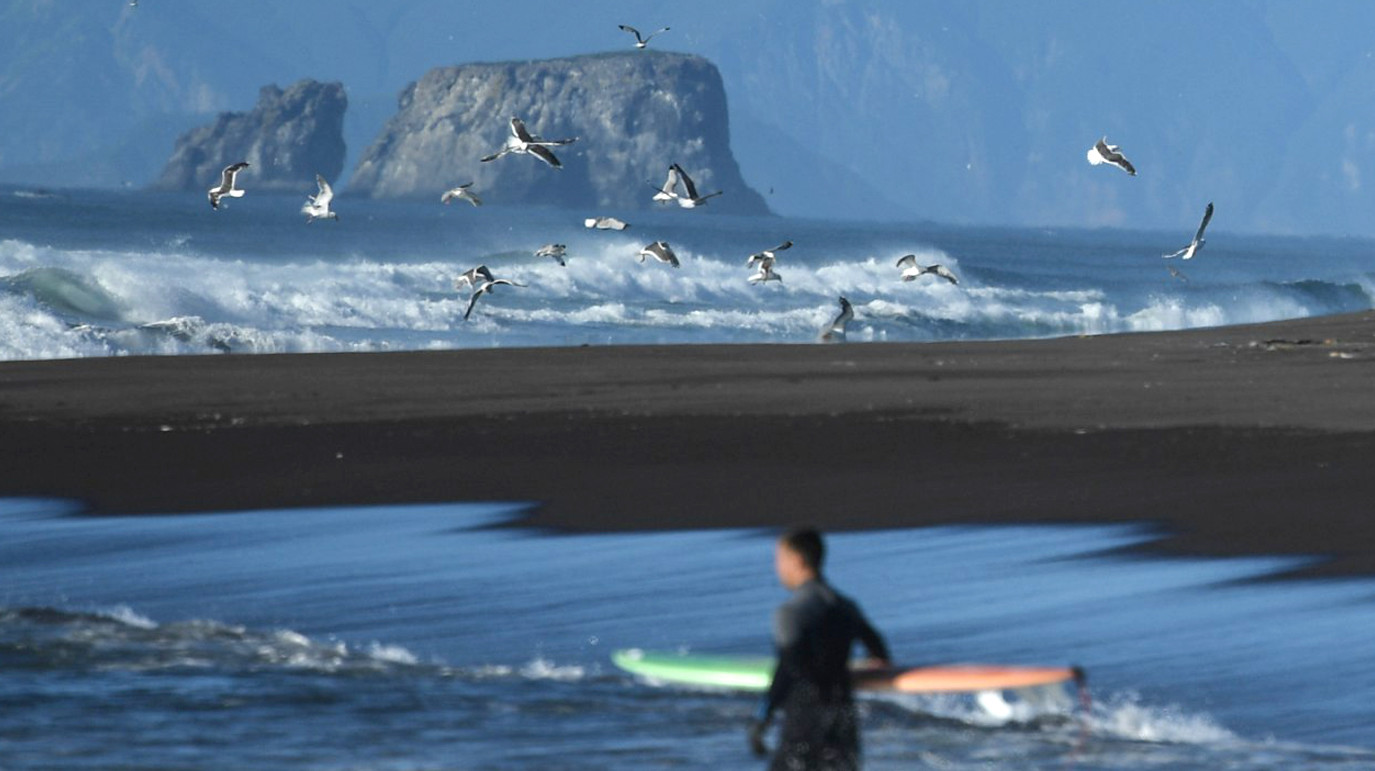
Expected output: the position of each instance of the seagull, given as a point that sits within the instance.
(765, 260)
(316, 206)
(765, 272)
(605, 223)
(1177, 273)
(1106, 153)
(473, 277)
(835, 333)
(689, 199)
(661, 251)
(641, 42)
(768, 254)
(226, 186)
(463, 193)
(911, 270)
(1188, 252)
(522, 141)
(557, 251)
(485, 287)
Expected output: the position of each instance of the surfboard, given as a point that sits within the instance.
(753, 673)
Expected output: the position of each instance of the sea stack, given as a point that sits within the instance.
(632, 113)
(288, 138)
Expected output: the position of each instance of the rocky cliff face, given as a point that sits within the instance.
(634, 113)
(288, 138)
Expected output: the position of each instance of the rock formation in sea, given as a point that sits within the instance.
(288, 138)
(634, 113)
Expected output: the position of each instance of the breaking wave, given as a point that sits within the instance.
(178, 296)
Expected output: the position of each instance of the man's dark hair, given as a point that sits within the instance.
(806, 543)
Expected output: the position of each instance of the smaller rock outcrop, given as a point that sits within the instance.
(288, 138)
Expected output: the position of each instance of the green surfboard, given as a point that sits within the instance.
(743, 673)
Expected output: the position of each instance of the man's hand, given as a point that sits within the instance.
(756, 738)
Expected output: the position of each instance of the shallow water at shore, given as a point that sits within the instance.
(423, 637)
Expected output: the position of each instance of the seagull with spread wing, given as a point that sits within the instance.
(1190, 251)
(226, 186)
(522, 142)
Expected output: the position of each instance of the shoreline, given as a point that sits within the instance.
(1243, 440)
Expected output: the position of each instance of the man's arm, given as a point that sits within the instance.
(870, 638)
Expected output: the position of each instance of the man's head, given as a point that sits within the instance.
(799, 556)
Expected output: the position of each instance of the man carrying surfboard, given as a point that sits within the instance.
(814, 632)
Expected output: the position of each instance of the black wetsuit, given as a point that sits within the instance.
(814, 632)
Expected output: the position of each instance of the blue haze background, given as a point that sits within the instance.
(974, 112)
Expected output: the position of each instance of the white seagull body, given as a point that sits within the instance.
(556, 251)
(765, 272)
(605, 223)
(226, 186)
(689, 198)
(473, 277)
(1188, 252)
(317, 206)
(835, 333)
(912, 271)
(522, 141)
(462, 193)
(765, 260)
(641, 42)
(485, 287)
(1102, 152)
(661, 251)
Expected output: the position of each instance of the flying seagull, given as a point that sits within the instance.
(485, 287)
(1177, 273)
(835, 333)
(765, 272)
(769, 254)
(522, 141)
(1106, 153)
(689, 198)
(226, 186)
(764, 260)
(641, 42)
(605, 223)
(557, 251)
(1188, 252)
(912, 271)
(462, 193)
(661, 251)
(316, 206)
(473, 277)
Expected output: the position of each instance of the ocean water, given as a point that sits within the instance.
(97, 273)
(427, 637)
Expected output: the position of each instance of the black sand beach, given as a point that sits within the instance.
(1238, 440)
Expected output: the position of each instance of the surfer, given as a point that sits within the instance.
(814, 632)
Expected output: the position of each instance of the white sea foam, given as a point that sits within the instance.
(392, 654)
(171, 299)
(1125, 717)
(126, 615)
(541, 668)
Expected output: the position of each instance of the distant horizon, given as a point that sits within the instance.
(1216, 231)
